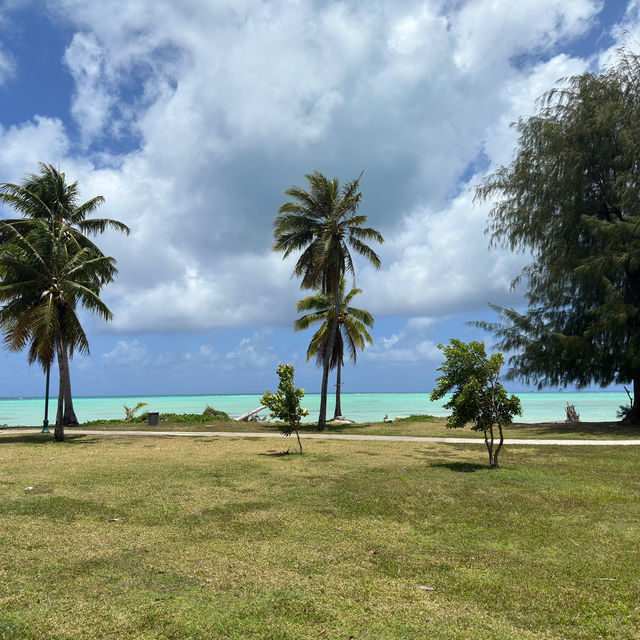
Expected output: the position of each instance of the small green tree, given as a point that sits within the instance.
(478, 397)
(285, 404)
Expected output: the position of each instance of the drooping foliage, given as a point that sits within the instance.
(352, 330)
(51, 237)
(43, 282)
(323, 224)
(478, 398)
(46, 196)
(571, 196)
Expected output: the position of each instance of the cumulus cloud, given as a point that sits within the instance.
(93, 99)
(410, 345)
(128, 353)
(250, 353)
(193, 121)
(22, 146)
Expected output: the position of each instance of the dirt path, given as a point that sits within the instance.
(330, 436)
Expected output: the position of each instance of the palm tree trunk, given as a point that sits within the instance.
(322, 418)
(338, 411)
(58, 434)
(68, 414)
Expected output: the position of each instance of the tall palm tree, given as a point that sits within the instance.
(323, 223)
(47, 196)
(352, 331)
(42, 282)
(47, 199)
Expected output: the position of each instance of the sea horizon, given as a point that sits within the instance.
(538, 406)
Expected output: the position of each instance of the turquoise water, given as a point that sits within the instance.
(361, 407)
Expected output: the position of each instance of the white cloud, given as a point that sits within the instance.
(93, 95)
(231, 102)
(127, 353)
(252, 353)
(408, 346)
(22, 146)
(490, 33)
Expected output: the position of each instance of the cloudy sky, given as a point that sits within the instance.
(191, 118)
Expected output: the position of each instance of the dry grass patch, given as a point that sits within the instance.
(179, 538)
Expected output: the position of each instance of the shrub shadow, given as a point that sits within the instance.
(460, 467)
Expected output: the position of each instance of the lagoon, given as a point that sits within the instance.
(361, 407)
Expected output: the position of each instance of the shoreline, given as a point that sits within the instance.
(538, 406)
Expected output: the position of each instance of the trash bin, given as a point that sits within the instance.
(152, 417)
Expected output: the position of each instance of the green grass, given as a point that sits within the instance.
(232, 539)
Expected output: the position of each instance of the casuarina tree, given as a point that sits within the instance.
(571, 196)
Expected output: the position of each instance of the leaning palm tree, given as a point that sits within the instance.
(42, 283)
(46, 198)
(323, 223)
(352, 331)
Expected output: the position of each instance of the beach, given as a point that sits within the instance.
(360, 407)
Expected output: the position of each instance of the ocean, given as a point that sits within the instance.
(360, 407)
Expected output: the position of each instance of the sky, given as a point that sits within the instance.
(191, 119)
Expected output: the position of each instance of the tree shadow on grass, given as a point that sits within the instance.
(277, 454)
(460, 467)
(40, 438)
(581, 429)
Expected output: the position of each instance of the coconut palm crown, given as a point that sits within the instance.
(324, 225)
(352, 330)
(51, 206)
(47, 197)
(42, 283)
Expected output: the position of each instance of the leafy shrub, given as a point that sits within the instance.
(214, 414)
(207, 415)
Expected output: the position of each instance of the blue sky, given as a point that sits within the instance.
(191, 120)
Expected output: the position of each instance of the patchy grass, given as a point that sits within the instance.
(412, 426)
(230, 539)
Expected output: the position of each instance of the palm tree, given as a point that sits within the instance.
(352, 331)
(42, 282)
(323, 224)
(46, 198)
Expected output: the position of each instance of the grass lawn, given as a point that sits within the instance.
(366, 540)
